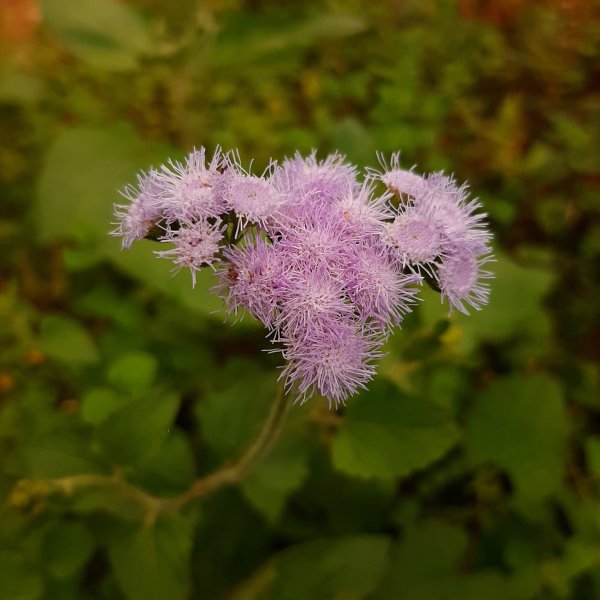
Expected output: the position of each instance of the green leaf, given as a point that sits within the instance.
(19, 580)
(67, 548)
(352, 139)
(515, 306)
(60, 453)
(98, 403)
(592, 452)
(133, 371)
(345, 567)
(429, 550)
(141, 263)
(151, 562)
(280, 473)
(78, 186)
(104, 33)
(66, 340)
(488, 584)
(232, 418)
(18, 88)
(250, 40)
(425, 566)
(389, 434)
(137, 431)
(519, 423)
(171, 469)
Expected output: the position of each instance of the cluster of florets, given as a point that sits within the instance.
(327, 262)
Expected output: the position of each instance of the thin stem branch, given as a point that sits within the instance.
(239, 469)
(153, 505)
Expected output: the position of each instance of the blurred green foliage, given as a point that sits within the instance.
(469, 470)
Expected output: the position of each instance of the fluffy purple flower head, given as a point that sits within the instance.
(380, 291)
(137, 218)
(310, 301)
(449, 205)
(439, 230)
(195, 245)
(251, 279)
(327, 263)
(307, 179)
(399, 181)
(362, 210)
(187, 189)
(465, 245)
(317, 237)
(253, 199)
(335, 362)
(462, 280)
(416, 240)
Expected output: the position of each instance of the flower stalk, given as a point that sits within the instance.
(29, 492)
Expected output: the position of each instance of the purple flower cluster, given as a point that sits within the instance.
(327, 262)
(437, 230)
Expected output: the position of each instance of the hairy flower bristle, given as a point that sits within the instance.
(327, 262)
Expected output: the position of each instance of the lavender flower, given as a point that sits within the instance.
(466, 245)
(362, 210)
(328, 264)
(187, 189)
(381, 292)
(462, 280)
(449, 205)
(397, 180)
(309, 179)
(254, 200)
(196, 245)
(438, 230)
(335, 361)
(310, 301)
(136, 219)
(251, 278)
(415, 238)
(316, 237)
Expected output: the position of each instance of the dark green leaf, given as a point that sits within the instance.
(425, 565)
(106, 34)
(67, 548)
(18, 579)
(133, 371)
(280, 473)
(66, 340)
(231, 418)
(151, 562)
(389, 434)
(136, 432)
(99, 403)
(592, 451)
(59, 453)
(348, 567)
(519, 424)
(171, 469)
(78, 186)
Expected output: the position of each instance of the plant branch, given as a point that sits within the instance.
(27, 490)
(239, 468)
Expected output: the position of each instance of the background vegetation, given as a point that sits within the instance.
(471, 468)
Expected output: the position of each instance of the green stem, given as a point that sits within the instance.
(153, 505)
(243, 465)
